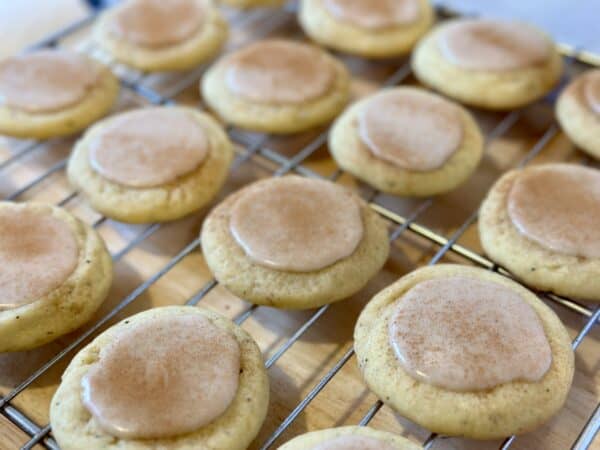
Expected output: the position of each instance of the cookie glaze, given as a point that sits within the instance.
(297, 224)
(411, 128)
(46, 80)
(38, 252)
(157, 23)
(279, 71)
(468, 334)
(558, 207)
(149, 147)
(374, 14)
(493, 45)
(162, 377)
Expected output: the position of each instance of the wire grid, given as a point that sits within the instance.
(253, 147)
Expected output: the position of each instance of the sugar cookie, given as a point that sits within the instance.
(465, 352)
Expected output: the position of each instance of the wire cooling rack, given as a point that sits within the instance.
(262, 150)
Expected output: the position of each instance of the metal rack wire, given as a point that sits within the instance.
(253, 147)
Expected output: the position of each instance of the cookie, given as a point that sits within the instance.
(48, 93)
(372, 29)
(152, 36)
(407, 141)
(151, 164)
(175, 377)
(491, 64)
(578, 112)
(277, 86)
(294, 242)
(540, 223)
(56, 272)
(466, 352)
(352, 438)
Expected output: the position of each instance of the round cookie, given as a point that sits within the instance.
(318, 440)
(381, 29)
(438, 147)
(152, 36)
(74, 427)
(542, 266)
(277, 86)
(578, 111)
(500, 410)
(311, 262)
(182, 156)
(56, 273)
(50, 93)
(490, 64)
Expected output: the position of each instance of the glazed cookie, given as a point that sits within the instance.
(277, 86)
(578, 111)
(349, 438)
(466, 352)
(151, 164)
(488, 63)
(153, 35)
(294, 242)
(55, 274)
(50, 93)
(407, 141)
(374, 29)
(541, 223)
(176, 378)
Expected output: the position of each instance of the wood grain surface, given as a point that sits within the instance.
(345, 399)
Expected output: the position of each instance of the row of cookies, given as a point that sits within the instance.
(179, 378)
(280, 87)
(255, 243)
(458, 350)
(503, 348)
(279, 242)
(288, 242)
(153, 36)
(438, 146)
(278, 265)
(269, 86)
(116, 391)
(159, 164)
